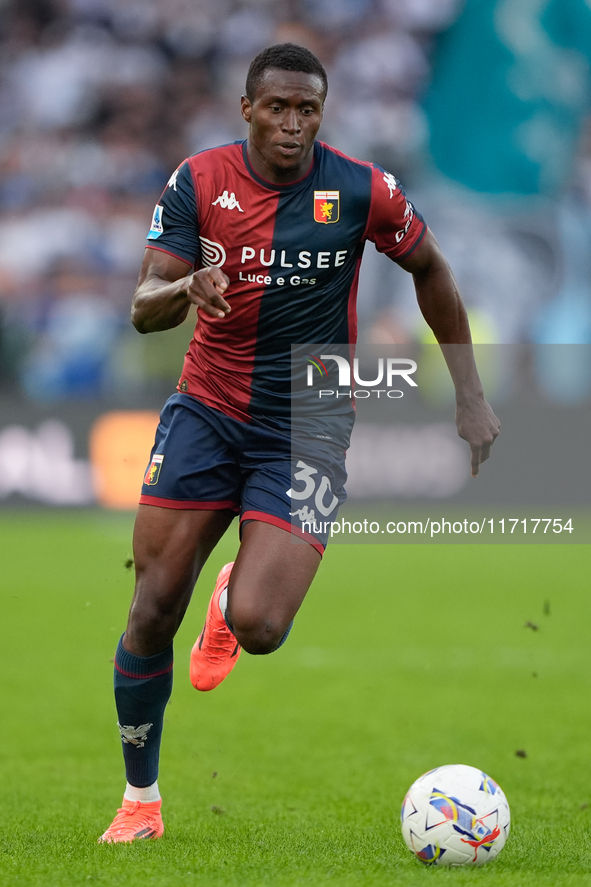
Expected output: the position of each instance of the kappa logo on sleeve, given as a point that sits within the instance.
(153, 472)
(156, 228)
(391, 182)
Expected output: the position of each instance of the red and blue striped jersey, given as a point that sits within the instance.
(292, 254)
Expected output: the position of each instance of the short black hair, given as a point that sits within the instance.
(286, 57)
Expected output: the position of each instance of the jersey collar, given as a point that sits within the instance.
(271, 185)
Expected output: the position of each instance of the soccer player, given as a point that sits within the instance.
(265, 238)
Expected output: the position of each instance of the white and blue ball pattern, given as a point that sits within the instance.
(455, 815)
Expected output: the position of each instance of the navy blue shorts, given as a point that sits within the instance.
(203, 459)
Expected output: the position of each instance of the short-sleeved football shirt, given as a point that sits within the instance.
(292, 254)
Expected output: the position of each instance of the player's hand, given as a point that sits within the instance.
(477, 424)
(205, 289)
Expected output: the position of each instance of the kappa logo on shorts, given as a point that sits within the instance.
(153, 472)
(326, 206)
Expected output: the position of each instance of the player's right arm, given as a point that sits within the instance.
(167, 286)
(165, 292)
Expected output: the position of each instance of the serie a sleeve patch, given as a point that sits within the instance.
(174, 222)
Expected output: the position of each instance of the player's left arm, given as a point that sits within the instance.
(440, 302)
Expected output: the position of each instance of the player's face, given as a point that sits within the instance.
(284, 119)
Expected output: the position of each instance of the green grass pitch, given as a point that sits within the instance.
(292, 772)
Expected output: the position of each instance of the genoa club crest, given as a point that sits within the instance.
(153, 472)
(326, 206)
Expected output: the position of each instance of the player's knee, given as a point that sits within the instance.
(257, 636)
(155, 615)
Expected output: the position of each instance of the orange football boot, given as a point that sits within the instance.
(135, 821)
(216, 650)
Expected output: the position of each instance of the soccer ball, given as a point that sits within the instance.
(455, 815)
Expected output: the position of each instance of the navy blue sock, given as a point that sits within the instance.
(143, 685)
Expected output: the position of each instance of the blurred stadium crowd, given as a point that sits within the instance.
(101, 99)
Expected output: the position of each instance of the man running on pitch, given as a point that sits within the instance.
(265, 238)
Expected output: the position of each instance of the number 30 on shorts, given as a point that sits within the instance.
(306, 476)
